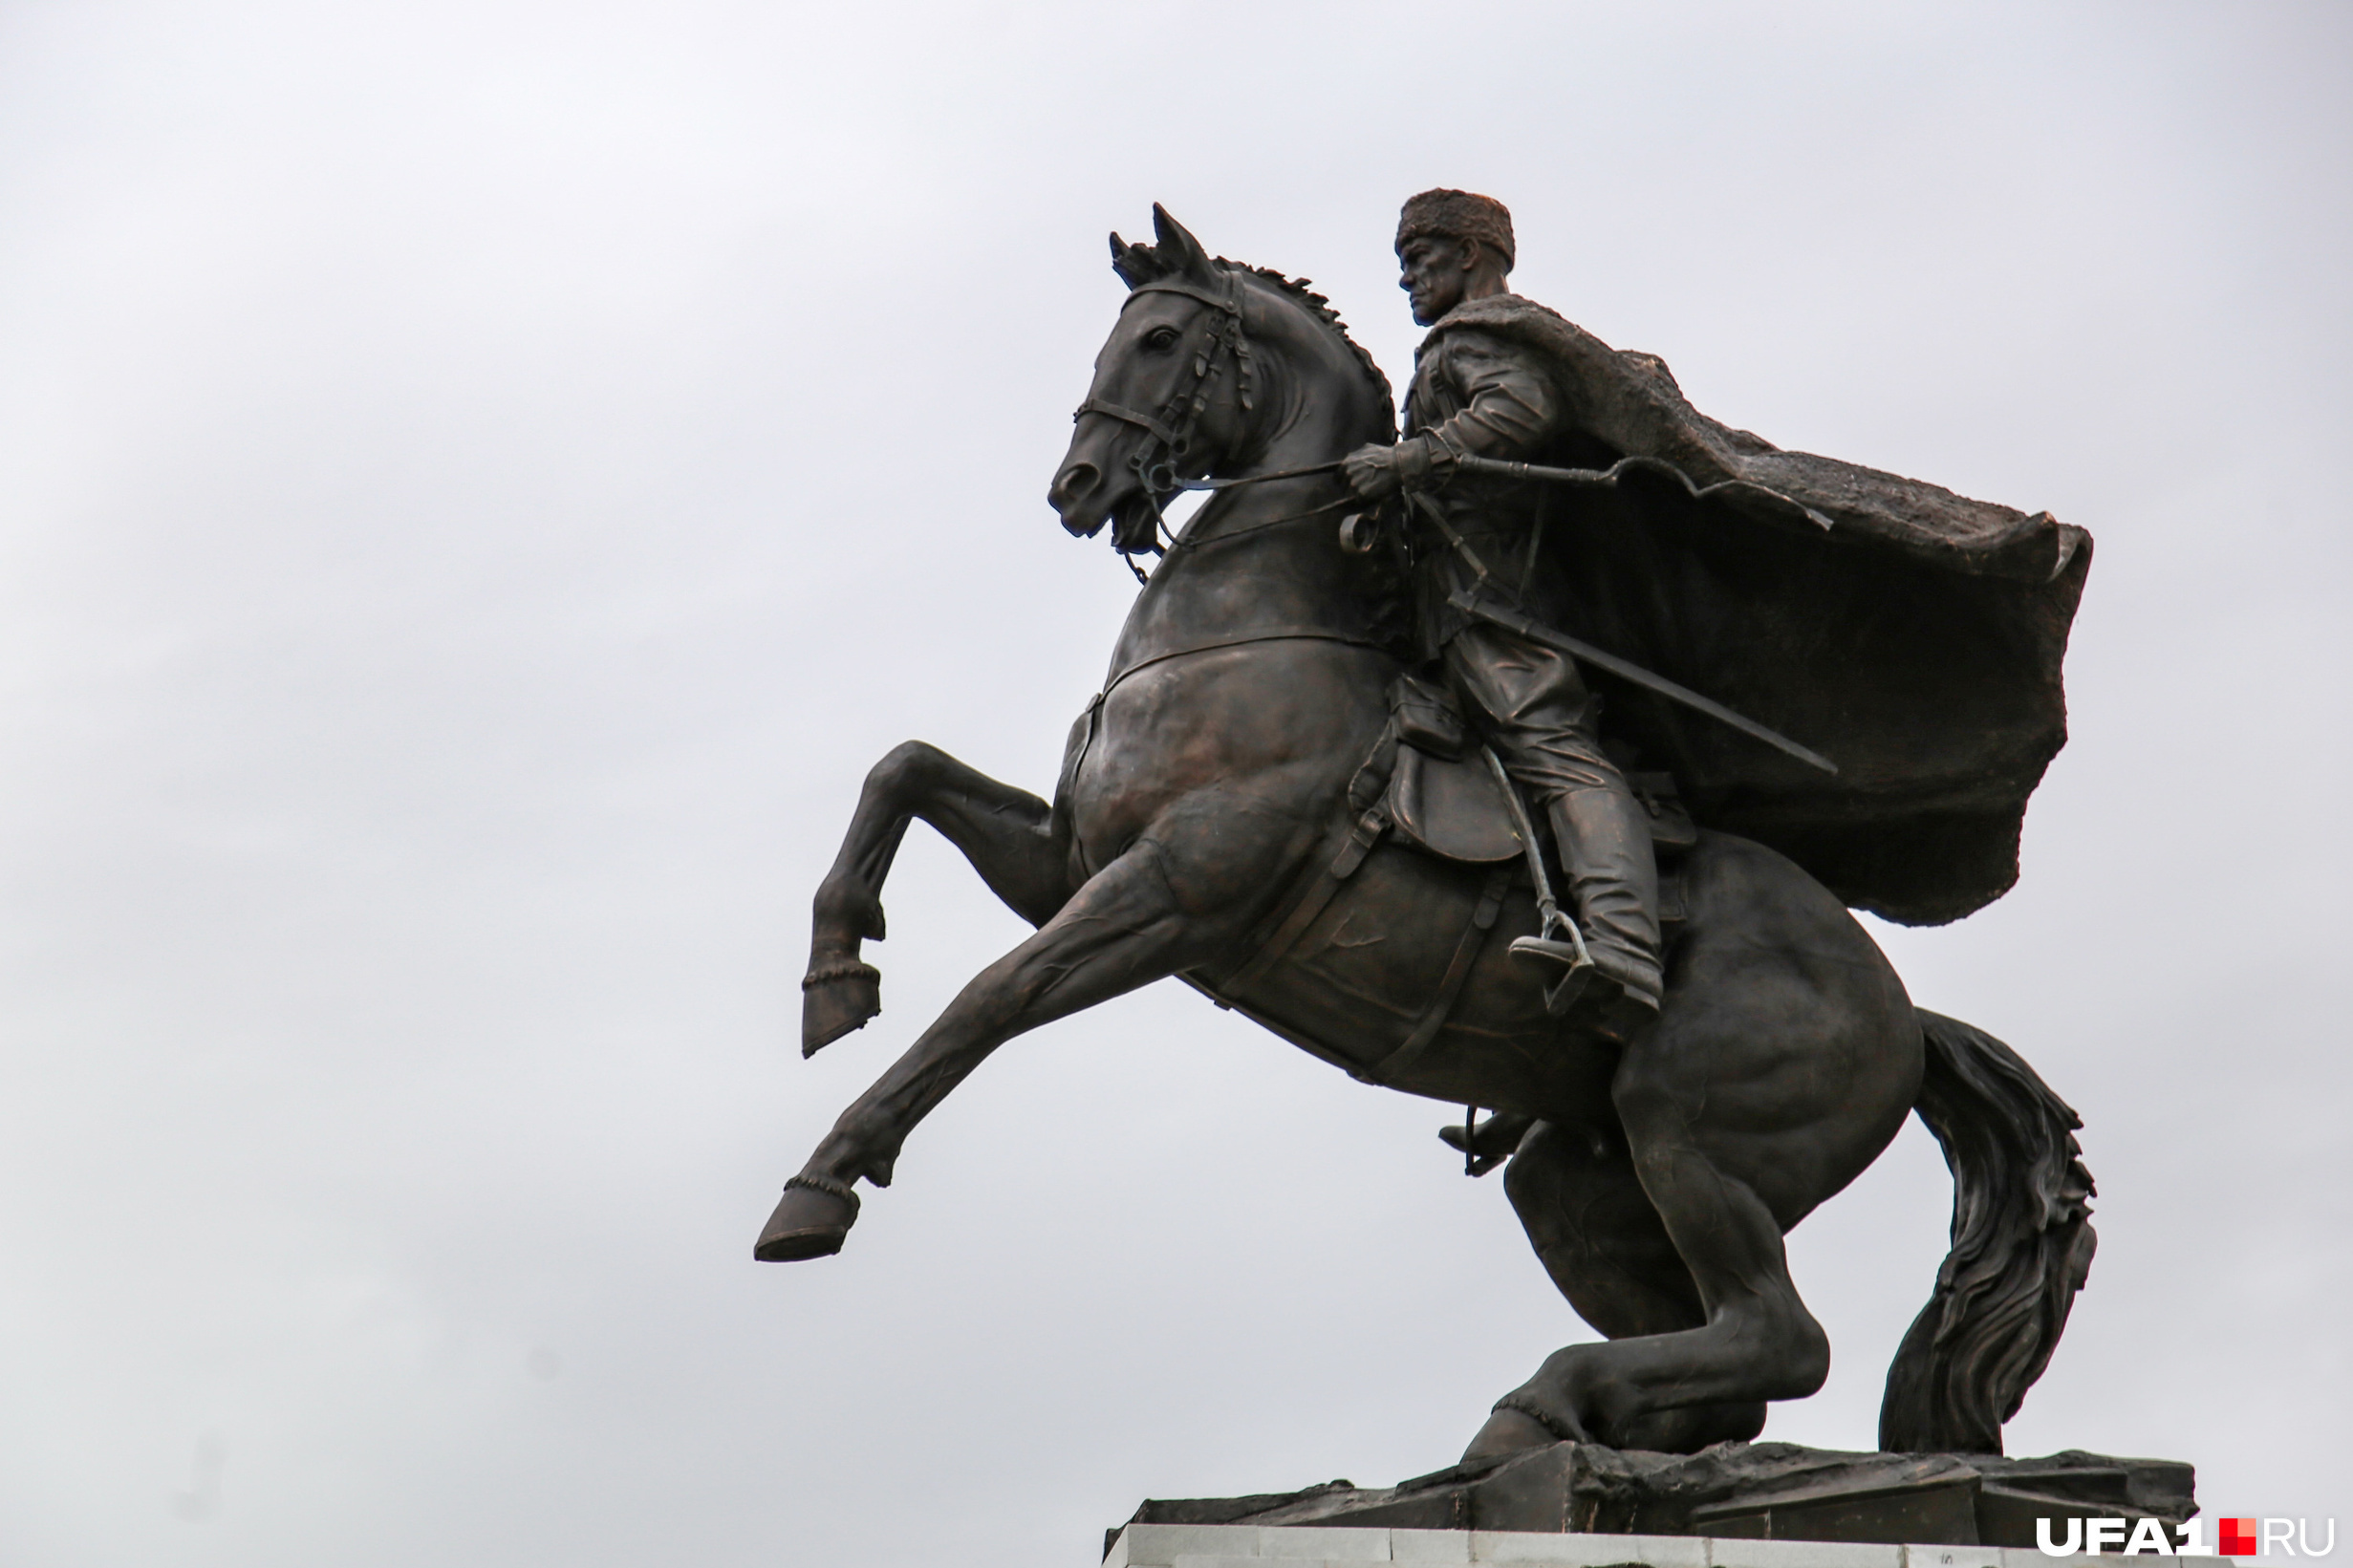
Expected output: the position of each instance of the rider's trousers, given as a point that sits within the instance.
(1540, 718)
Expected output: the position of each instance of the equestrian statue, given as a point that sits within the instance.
(1532, 762)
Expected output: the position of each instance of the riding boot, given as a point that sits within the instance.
(1605, 842)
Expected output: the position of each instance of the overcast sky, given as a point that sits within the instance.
(480, 484)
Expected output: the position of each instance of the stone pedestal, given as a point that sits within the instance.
(1330, 1546)
(1775, 1493)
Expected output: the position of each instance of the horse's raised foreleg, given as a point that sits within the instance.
(1013, 839)
(1124, 929)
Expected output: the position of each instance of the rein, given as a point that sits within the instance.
(1259, 479)
(1187, 540)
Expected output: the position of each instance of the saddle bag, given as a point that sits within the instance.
(1427, 720)
(1671, 829)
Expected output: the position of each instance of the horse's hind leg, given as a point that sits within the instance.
(1602, 1243)
(1124, 929)
(1013, 839)
(1751, 1339)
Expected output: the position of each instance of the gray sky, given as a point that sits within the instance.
(480, 484)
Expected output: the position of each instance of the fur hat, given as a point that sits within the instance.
(1458, 215)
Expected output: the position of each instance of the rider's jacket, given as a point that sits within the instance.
(1478, 393)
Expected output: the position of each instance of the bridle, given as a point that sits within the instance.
(1172, 425)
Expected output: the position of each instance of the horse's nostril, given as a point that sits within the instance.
(1072, 482)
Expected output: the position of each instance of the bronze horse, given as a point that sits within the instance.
(1210, 823)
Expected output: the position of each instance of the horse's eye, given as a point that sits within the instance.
(1160, 339)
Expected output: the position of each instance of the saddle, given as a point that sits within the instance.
(1428, 786)
(1445, 800)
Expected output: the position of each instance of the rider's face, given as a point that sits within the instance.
(1433, 269)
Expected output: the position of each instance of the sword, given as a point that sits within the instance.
(1471, 463)
(1511, 620)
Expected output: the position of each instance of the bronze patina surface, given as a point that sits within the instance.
(1261, 804)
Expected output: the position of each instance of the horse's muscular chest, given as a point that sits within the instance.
(1246, 745)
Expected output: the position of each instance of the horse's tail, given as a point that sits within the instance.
(2021, 1247)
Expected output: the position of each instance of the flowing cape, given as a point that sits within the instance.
(1912, 636)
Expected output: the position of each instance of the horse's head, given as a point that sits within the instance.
(1171, 393)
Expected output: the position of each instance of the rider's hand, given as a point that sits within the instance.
(1371, 472)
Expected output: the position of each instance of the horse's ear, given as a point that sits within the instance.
(1134, 263)
(1179, 252)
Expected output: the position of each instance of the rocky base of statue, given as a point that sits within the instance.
(1736, 1490)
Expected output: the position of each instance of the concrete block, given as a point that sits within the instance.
(1330, 1546)
(1575, 1550)
(1159, 1545)
(1954, 1556)
(1747, 1554)
(1354, 1543)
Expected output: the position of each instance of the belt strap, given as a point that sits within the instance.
(1450, 989)
(1362, 835)
(1096, 405)
(1462, 546)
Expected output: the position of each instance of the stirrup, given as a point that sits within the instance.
(1577, 966)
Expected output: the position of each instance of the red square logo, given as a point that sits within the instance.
(2237, 1538)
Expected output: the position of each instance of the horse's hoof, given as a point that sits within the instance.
(1507, 1431)
(808, 1222)
(836, 999)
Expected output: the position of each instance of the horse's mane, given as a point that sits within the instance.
(1177, 254)
(1319, 307)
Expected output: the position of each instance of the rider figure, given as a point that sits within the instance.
(1478, 393)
